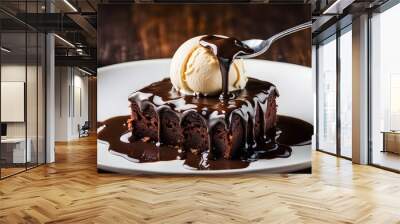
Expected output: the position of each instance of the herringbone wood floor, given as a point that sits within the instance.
(71, 191)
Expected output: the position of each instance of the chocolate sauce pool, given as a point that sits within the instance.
(292, 131)
(226, 49)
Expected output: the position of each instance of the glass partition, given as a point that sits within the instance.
(13, 103)
(22, 77)
(32, 101)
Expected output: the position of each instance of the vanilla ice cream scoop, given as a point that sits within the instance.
(195, 69)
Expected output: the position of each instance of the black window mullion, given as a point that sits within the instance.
(317, 97)
(0, 96)
(26, 88)
(369, 96)
(37, 90)
(44, 71)
(338, 82)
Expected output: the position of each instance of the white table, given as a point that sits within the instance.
(18, 150)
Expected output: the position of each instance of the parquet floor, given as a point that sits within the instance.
(71, 191)
(10, 171)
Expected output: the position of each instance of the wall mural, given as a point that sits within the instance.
(188, 88)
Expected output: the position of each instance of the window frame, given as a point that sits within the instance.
(380, 9)
(341, 27)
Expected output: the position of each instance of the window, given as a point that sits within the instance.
(385, 89)
(334, 106)
(327, 95)
(394, 102)
(346, 92)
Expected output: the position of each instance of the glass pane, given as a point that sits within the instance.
(385, 84)
(23, 90)
(13, 89)
(346, 94)
(32, 89)
(41, 98)
(327, 96)
(32, 99)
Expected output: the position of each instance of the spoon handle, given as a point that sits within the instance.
(290, 31)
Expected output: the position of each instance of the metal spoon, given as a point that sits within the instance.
(261, 46)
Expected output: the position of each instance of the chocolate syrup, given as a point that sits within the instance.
(111, 131)
(226, 49)
(114, 128)
(294, 131)
(254, 97)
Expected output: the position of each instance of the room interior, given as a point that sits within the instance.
(25, 66)
(335, 74)
(48, 126)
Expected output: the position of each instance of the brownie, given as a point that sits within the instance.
(170, 128)
(197, 124)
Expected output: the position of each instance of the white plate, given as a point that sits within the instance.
(116, 82)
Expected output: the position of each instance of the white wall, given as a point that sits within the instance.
(71, 102)
(33, 127)
(16, 73)
(80, 104)
(62, 81)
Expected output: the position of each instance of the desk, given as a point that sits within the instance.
(13, 150)
(391, 141)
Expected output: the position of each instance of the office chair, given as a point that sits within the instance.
(84, 130)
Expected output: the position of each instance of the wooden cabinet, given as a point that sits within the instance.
(391, 141)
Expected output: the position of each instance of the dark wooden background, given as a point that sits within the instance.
(146, 31)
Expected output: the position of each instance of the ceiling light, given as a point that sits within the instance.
(70, 5)
(65, 41)
(79, 51)
(84, 71)
(5, 50)
(337, 7)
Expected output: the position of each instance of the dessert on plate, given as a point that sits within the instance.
(208, 113)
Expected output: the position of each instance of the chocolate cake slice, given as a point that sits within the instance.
(206, 126)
